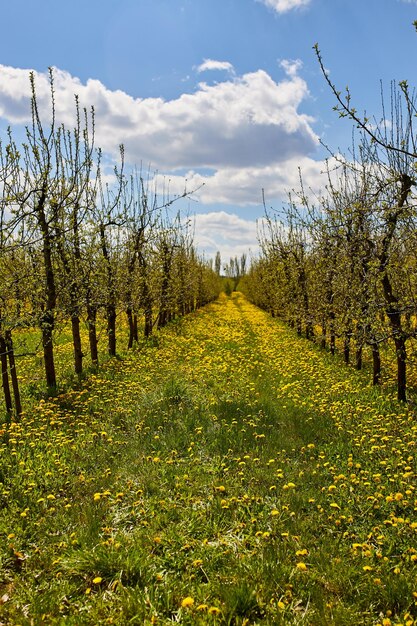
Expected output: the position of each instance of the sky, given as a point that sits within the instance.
(224, 97)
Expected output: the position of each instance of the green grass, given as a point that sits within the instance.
(227, 473)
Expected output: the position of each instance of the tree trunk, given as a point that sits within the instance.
(135, 328)
(164, 310)
(47, 326)
(359, 351)
(346, 350)
(346, 344)
(92, 332)
(5, 375)
(132, 319)
(394, 317)
(401, 351)
(148, 322)
(76, 339)
(332, 334)
(359, 340)
(111, 329)
(392, 307)
(146, 296)
(13, 373)
(111, 297)
(131, 323)
(376, 365)
(47, 321)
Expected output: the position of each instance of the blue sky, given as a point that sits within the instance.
(225, 92)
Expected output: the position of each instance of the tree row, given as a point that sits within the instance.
(82, 243)
(341, 266)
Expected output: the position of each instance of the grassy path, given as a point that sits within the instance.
(227, 475)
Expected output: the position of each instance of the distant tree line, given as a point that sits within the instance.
(79, 247)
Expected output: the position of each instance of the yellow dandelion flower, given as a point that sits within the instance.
(187, 602)
(214, 610)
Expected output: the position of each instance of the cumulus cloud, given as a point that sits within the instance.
(282, 6)
(246, 121)
(243, 186)
(233, 138)
(227, 233)
(291, 67)
(210, 65)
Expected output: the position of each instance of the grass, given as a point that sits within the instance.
(228, 473)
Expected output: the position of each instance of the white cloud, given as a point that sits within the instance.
(210, 65)
(238, 136)
(227, 233)
(282, 6)
(243, 186)
(291, 67)
(247, 121)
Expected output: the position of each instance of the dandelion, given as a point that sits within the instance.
(214, 610)
(302, 552)
(97, 580)
(187, 602)
(302, 567)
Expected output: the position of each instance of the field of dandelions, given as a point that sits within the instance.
(226, 472)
